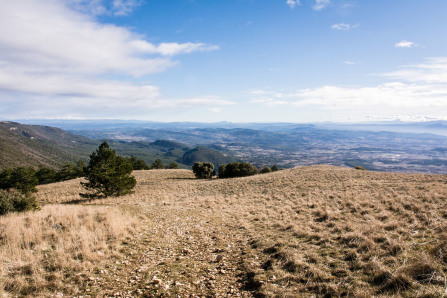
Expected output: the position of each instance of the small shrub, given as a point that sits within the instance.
(274, 168)
(15, 201)
(360, 168)
(237, 169)
(266, 170)
(203, 170)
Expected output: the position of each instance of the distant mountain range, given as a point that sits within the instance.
(37, 145)
(373, 146)
(434, 127)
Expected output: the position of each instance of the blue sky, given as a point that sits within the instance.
(232, 60)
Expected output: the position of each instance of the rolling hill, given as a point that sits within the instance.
(318, 231)
(206, 154)
(35, 145)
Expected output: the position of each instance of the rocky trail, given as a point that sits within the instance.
(178, 253)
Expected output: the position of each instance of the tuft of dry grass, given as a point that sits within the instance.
(40, 251)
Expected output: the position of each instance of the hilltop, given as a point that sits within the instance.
(318, 230)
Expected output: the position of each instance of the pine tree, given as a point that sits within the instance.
(157, 164)
(108, 174)
(173, 165)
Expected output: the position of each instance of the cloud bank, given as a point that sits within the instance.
(55, 52)
(419, 88)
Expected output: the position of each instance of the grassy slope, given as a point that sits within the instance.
(307, 231)
(34, 145)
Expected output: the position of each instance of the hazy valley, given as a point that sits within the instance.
(393, 147)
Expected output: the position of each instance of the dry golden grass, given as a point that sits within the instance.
(40, 251)
(311, 231)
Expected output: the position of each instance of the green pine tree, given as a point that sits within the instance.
(157, 164)
(173, 165)
(108, 174)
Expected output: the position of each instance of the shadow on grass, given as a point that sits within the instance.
(79, 201)
(87, 199)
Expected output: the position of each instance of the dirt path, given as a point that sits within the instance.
(178, 253)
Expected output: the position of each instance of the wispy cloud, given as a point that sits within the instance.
(343, 26)
(293, 3)
(321, 4)
(105, 7)
(406, 44)
(433, 71)
(410, 91)
(170, 49)
(267, 98)
(124, 7)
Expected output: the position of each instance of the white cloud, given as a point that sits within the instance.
(321, 4)
(57, 85)
(61, 57)
(434, 71)
(406, 44)
(414, 92)
(393, 94)
(343, 26)
(293, 3)
(51, 37)
(349, 62)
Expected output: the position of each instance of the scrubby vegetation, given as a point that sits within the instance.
(15, 201)
(237, 169)
(265, 170)
(203, 170)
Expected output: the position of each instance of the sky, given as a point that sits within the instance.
(224, 60)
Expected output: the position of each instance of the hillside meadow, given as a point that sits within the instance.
(311, 231)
